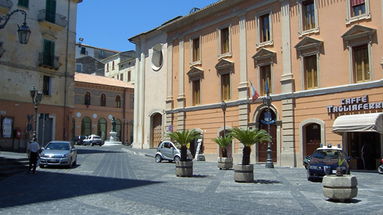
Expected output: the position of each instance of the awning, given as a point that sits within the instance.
(372, 122)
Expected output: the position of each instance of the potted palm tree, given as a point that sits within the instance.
(184, 167)
(244, 172)
(224, 162)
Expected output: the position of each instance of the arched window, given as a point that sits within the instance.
(86, 126)
(87, 98)
(101, 128)
(118, 102)
(103, 100)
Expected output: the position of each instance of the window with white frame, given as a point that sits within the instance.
(357, 10)
(264, 29)
(308, 22)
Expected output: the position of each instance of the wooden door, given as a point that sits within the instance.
(156, 130)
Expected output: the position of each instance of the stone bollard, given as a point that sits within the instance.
(225, 163)
(244, 173)
(340, 188)
(184, 168)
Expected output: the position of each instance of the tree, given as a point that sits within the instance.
(223, 142)
(184, 138)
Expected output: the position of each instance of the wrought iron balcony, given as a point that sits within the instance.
(54, 18)
(47, 61)
(5, 5)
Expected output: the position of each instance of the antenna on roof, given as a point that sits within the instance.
(194, 9)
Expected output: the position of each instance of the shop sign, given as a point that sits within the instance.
(354, 104)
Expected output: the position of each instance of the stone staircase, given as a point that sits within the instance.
(10, 166)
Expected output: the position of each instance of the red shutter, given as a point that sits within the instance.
(356, 2)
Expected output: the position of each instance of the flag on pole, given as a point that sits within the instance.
(254, 93)
(267, 87)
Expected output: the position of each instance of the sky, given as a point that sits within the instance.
(110, 23)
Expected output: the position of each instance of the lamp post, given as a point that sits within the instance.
(223, 107)
(268, 120)
(36, 99)
(23, 32)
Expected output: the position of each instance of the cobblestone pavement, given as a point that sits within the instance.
(121, 180)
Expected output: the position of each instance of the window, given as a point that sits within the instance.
(265, 73)
(118, 102)
(103, 100)
(78, 67)
(225, 42)
(225, 87)
(46, 85)
(112, 65)
(264, 29)
(101, 128)
(196, 92)
(23, 3)
(83, 50)
(310, 72)
(107, 67)
(358, 7)
(129, 76)
(50, 14)
(49, 53)
(361, 63)
(196, 50)
(87, 99)
(308, 15)
(121, 77)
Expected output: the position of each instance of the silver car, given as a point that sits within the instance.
(58, 153)
(167, 150)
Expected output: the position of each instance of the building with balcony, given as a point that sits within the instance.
(46, 62)
(321, 60)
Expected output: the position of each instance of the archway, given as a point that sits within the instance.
(86, 126)
(156, 130)
(272, 129)
(101, 128)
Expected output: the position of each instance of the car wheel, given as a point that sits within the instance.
(177, 158)
(158, 158)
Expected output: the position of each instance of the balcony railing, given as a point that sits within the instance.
(51, 62)
(5, 5)
(46, 16)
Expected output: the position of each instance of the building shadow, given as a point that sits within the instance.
(45, 186)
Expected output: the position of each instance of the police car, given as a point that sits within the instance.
(325, 160)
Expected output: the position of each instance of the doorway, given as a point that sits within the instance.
(364, 149)
(156, 130)
(262, 147)
(311, 138)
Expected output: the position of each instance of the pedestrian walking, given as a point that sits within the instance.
(33, 149)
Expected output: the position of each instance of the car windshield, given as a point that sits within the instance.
(58, 146)
(326, 154)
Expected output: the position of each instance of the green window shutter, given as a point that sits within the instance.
(50, 15)
(23, 3)
(49, 53)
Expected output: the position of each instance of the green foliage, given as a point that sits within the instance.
(184, 137)
(223, 141)
(249, 137)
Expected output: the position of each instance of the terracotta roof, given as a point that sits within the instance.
(94, 79)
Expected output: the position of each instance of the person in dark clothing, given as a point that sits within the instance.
(33, 149)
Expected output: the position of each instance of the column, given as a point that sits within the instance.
(242, 88)
(181, 93)
(169, 93)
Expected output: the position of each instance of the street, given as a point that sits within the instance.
(121, 180)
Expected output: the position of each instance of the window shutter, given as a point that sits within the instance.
(23, 3)
(51, 11)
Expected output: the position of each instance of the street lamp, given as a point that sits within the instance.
(23, 32)
(268, 119)
(223, 107)
(36, 99)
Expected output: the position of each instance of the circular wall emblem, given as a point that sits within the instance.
(94, 116)
(78, 114)
(110, 117)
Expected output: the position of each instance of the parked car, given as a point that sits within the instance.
(93, 140)
(167, 150)
(324, 161)
(58, 153)
(78, 140)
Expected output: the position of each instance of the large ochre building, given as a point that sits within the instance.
(322, 62)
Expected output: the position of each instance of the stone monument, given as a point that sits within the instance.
(113, 139)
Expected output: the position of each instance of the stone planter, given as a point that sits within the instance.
(340, 188)
(184, 168)
(225, 163)
(244, 173)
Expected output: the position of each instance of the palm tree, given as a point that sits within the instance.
(184, 138)
(247, 138)
(223, 142)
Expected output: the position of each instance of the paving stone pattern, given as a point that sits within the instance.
(121, 180)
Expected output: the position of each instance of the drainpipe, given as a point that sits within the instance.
(123, 116)
(66, 73)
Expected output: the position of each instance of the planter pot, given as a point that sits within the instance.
(340, 188)
(184, 168)
(225, 163)
(244, 173)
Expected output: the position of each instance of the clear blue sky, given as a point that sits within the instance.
(109, 24)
